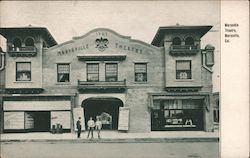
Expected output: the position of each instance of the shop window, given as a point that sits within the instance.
(63, 72)
(176, 41)
(23, 71)
(183, 69)
(177, 114)
(17, 43)
(111, 70)
(189, 41)
(140, 72)
(92, 72)
(29, 42)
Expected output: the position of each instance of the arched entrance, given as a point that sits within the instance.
(107, 108)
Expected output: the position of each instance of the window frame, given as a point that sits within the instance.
(98, 70)
(30, 79)
(106, 79)
(177, 77)
(146, 73)
(57, 66)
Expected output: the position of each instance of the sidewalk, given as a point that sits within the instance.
(115, 136)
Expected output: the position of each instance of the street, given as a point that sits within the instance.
(109, 150)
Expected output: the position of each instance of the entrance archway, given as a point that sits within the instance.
(106, 108)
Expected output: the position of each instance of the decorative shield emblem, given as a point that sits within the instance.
(101, 43)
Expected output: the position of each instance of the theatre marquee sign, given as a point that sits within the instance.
(103, 40)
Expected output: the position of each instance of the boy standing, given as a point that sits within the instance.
(91, 126)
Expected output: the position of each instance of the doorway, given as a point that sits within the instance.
(107, 109)
(37, 121)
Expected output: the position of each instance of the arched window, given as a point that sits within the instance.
(189, 41)
(176, 41)
(29, 42)
(17, 43)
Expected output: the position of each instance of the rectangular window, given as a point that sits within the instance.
(63, 71)
(111, 72)
(140, 72)
(23, 71)
(183, 69)
(92, 72)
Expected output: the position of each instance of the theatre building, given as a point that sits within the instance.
(131, 85)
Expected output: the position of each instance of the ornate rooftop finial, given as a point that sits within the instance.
(177, 24)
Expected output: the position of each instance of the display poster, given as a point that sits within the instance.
(123, 119)
(13, 120)
(62, 118)
(79, 112)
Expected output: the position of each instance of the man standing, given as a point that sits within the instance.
(98, 126)
(91, 126)
(79, 127)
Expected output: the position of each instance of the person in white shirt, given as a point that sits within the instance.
(98, 126)
(91, 126)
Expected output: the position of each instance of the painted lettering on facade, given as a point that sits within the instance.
(100, 33)
(128, 48)
(70, 51)
(101, 43)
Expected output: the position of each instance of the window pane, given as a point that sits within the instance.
(92, 72)
(63, 68)
(169, 104)
(92, 68)
(63, 77)
(63, 71)
(183, 65)
(111, 72)
(141, 72)
(166, 113)
(156, 104)
(140, 77)
(93, 77)
(23, 66)
(141, 68)
(183, 70)
(23, 71)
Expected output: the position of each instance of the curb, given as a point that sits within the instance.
(125, 140)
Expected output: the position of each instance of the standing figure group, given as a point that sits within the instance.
(91, 126)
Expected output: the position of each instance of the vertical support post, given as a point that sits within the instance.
(72, 101)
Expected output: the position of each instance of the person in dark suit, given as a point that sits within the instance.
(79, 127)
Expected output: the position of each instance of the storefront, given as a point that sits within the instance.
(177, 113)
(36, 116)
